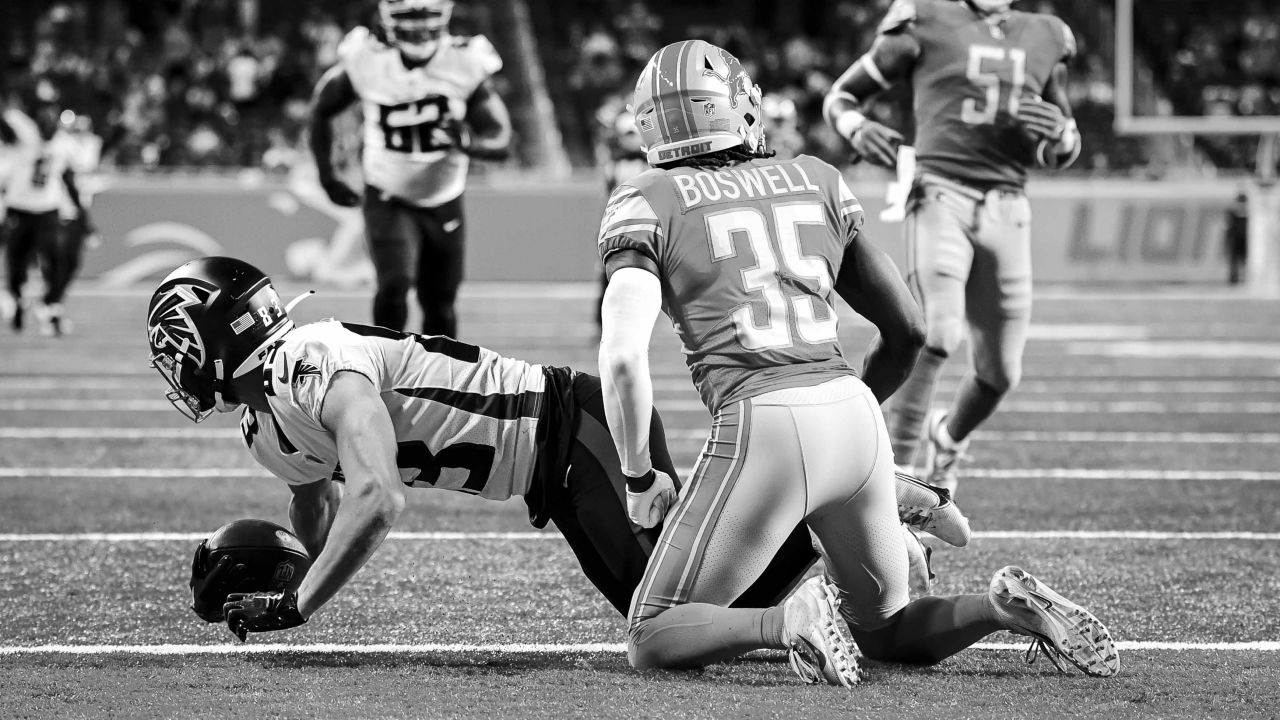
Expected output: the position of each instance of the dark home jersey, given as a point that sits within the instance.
(969, 76)
(465, 418)
(747, 256)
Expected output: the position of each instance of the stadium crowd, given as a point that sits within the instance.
(221, 83)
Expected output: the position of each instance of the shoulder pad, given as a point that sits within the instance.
(358, 39)
(647, 179)
(481, 52)
(901, 14)
(1069, 47)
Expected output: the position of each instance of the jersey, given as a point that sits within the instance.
(747, 256)
(34, 180)
(465, 418)
(969, 77)
(403, 107)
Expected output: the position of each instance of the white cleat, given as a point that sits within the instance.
(1059, 627)
(942, 458)
(929, 509)
(822, 650)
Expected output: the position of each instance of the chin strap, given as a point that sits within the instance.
(294, 302)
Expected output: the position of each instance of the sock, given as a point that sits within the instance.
(910, 404)
(975, 401)
(699, 634)
(931, 629)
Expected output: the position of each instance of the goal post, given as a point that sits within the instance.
(1138, 113)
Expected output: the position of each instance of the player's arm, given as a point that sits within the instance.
(890, 59)
(312, 510)
(333, 94)
(489, 124)
(73, 192)
(1048, 119)
(632, 301)
(871, 284)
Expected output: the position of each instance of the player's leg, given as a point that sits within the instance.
(440, 267)
(939, 253)
(742, 503)
(18, 254)
(57, 240)
(999, 315)
(394, 241)
(855, 518)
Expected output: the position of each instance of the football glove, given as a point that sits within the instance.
(649, 497)
(262, 612)
(876, 143)
(223, 574)
(450, 133)
(1041, 120)
(340, 193)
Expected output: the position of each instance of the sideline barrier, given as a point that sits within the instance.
(1083, 231)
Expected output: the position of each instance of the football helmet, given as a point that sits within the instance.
(694, 98)
(211, 321)
(415, 27)
(245, 556)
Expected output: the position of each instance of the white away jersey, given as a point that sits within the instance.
(36, 166)
(403, 106)
(465, 417)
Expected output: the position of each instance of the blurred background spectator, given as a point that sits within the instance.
(175, 83)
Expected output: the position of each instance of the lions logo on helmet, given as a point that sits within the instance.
(694, 98)
(415, 27)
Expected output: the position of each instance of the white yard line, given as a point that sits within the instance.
(125, 473)
(1030, 407)
(512, 648)
(699, 435)
(437, 536)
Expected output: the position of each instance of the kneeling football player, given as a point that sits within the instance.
(392, 409)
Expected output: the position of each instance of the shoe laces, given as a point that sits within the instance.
(1038, 647)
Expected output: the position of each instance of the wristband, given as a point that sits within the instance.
(642, 483)
(849, 122)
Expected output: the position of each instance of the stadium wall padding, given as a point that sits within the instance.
(1083, 231)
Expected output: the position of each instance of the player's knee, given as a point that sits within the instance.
(642, 655)
(1002, 377)
(395, 285)
(943, 336)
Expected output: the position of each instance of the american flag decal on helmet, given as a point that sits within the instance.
(242, 323)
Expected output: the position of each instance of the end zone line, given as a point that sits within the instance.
(138, 537)
(510, 649)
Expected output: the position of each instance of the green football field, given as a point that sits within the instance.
(1135, 470)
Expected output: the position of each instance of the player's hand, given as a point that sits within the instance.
(340, 193)
(449, 133)
(876, 143)
(649, 497)
(262, 612)
(224, 572)
(1041, 120)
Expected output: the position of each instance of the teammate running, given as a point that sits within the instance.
(429, 107)
(990, 90)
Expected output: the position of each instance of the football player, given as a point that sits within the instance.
(990, 87)
(429, 107)
(41, 181)
(745, 253)
(393, 409)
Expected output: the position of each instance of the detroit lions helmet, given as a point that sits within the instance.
(415, 27)
(694, 98)
(211, 321)
(245, 556)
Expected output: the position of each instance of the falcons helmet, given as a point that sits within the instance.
(212, 321)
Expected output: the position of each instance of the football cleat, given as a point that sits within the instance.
(929, 509)
(942, 458)
(919, 571)
(822, 650)
(1058, 627)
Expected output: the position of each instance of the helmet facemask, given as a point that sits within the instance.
(415, 27)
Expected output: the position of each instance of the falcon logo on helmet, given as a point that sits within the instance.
(694, 98)
(200, 341)
(415, 27)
